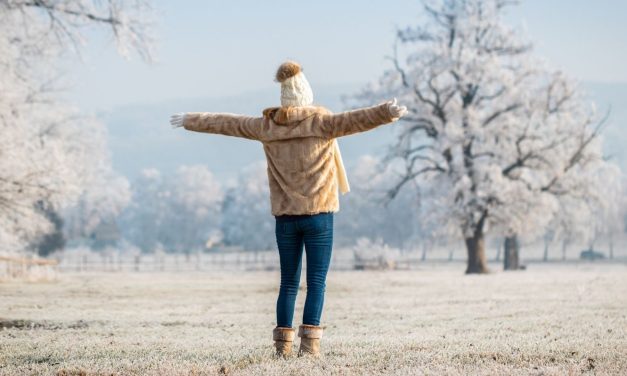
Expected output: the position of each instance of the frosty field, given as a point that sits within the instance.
(549, 319)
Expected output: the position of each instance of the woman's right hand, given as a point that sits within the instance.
(177, 119)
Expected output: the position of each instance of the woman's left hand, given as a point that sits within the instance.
(396, 110)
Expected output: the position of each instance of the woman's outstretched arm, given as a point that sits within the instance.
(219, 123)
(361, 120)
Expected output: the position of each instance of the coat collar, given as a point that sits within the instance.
(288, 115)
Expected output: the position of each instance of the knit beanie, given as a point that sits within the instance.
(296, 92)
(295, 89)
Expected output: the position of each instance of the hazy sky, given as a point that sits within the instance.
(216, 48)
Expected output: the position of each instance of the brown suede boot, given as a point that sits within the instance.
(309, 340)
(283, 339)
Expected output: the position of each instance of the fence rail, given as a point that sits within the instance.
(19, 267)
(86, 261)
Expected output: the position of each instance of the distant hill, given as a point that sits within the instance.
(140, 135)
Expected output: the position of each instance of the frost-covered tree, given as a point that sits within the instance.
(44, 144)
(559, 160)
(611, 215)
(100, 204)
(194, 197)
(364, 216)
(46, 29)
(142, 219)
(492, 133)
(49, 157)
(587, 200)
(178, 212)
(587, 213)
(85, 171)
(245, 210)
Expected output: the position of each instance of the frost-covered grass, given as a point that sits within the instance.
(549, 319)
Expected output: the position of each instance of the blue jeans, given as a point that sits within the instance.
(315, 232)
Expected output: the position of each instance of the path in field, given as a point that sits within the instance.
(549, 319)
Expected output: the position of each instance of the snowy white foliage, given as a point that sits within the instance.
(141, 220)
(364, 213)
(246, 210)
(368, 249)
(180, 212)
(102, 201)
(596, 210)
(54, 27)
(195, 198)
(49, 155)
(495, 137)
(53, 159)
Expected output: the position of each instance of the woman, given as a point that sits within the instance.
(305, 170)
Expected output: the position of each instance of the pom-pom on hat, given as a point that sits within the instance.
(295, 89)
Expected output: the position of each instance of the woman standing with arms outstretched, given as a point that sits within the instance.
(305, 171)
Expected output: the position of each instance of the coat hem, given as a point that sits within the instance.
(311, 212)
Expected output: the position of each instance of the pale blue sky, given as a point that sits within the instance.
(217, 48)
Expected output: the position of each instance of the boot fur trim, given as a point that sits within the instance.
(283, 334)
(310, 331)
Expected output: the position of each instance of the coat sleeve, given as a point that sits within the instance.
(355, 121)
(224, 123)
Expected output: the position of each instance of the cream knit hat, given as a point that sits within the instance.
(295, 89)
(296, 92)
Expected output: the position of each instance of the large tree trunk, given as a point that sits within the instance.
(423, 257)
(475, 246)
(548, 237)
(511, 261)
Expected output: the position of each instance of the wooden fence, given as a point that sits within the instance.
(26, 267)
(87, 261)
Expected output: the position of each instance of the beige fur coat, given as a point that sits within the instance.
(299, 147)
